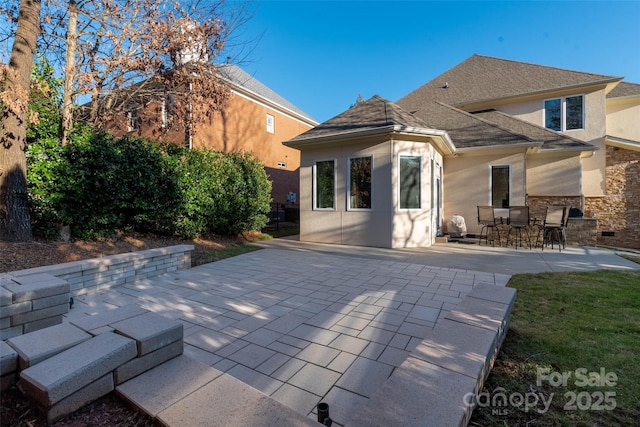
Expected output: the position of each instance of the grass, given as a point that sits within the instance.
(232, 249)
(583, 325)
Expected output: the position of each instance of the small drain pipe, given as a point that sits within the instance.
(323, 414)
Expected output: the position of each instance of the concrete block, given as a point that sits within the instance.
(6, 296)
(8, 358)
(41, 324)
(11, 332)
(417, 394)
(164, 385)
(8, 381)
(58, 377)
(95, 390)
(150, 330)
(495, 293)
(112, 316)
(40, 303)
(37, 346)
(229, 402)
(34, 315)
(36, 286)
(481, 313)
(142, 364)
(14, 309)
(460, 348)
(365, 376)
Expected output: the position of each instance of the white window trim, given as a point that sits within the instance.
(400, 155)
(315, 184)
(563, 112)
(130, 114)
(491, 166)
(271, 128)
(349, 208)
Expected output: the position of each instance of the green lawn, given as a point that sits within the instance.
(573, 348)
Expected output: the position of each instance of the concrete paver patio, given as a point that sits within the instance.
(301, 327)
(305, 323)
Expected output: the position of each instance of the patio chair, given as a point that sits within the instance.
(555, 227)
(518, 222)
(487, 219)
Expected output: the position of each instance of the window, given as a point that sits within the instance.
(324, 184)
(270, 123)
(360, 183)
(409, 185)
(133, 119)
(563, 114)
(282, 165)
(168, 109)
(500, 186)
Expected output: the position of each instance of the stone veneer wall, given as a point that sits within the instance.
(619, 211)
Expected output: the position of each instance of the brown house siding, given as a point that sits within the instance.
(242, 127)
(618, 212)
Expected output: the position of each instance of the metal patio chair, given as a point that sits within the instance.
(519, 222)
(555, 227)
(487, 219)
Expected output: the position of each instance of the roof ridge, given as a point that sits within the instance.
(544, 66)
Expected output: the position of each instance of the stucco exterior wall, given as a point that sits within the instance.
(340, 225)
(554, 176)
(595, 129)
(623, 117)
(415, 227)
(467, 185)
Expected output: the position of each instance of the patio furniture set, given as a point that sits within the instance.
(519, 226)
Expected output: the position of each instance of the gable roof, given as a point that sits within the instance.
(245, 81)
(483, 78)
(375, 115)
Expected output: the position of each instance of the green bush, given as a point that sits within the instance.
(113, 184)
(223, 193)
(99, 184)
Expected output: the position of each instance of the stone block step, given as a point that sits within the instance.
(37, 346)
(150, 330)
(35, 286)
(58, 377)
(100, 322)
(8, 366)
(186, 393)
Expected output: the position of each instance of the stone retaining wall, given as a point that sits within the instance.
(115, 270)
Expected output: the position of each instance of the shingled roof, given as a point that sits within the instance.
(482, 78)
(237, 76)
(624, 89)
(370, 116)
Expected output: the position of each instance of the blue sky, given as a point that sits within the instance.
(320, 55)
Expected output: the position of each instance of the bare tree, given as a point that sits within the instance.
(15, 222)
(160, 51)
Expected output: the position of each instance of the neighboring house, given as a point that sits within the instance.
(256, 119)
(512, 134)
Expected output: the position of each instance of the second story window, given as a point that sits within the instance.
(270, 123)
(561, 114)
(133, 120)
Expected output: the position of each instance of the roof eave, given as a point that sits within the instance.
(622, 143)
(447, 145)
(481, 103)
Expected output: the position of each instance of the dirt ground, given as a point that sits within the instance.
(18, 411)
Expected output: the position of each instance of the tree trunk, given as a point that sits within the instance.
(15, 222)
(69, 72)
